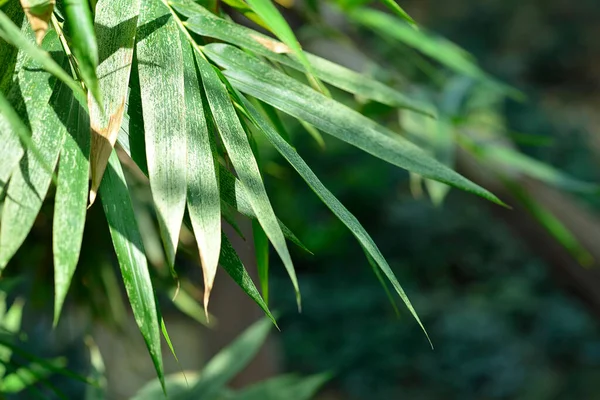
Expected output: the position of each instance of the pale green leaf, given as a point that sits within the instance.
(160, 69)
(240, 152)
(206, 24)
(115, 25)
(284, 387)
(254, 77)
(203, 199)
(80, 25)
(130, 254)
(70, 201)
(331, 202)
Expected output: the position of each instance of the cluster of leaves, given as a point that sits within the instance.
(186, 112)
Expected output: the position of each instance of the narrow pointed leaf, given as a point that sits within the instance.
(399, 11)
(267, 11)
(331, 202)
(11, 129)
(115, 26)
(261, 251)
(203, 197)
(239, 151)
(70, 203)
(80, 24)
(229, 362)
(284, 387)
(38, 14)
(160, 68)
(254, 77)
(11, 33)
(232, 264)
(206, 24)
(127, 242)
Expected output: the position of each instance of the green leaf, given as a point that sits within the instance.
(115, 25)
(238, 148)
(11, 130)
(232, 264)
(229, 361)
(31, 179)
(130, 254)
(11, 33)
(38, 14)
(261, 250)
(203, 197)
(254, 77)
(392, 5)
(70, 203)
(284, 387)
(330, 201)
(80, 25)
(160, 68)
(267, 11)
(206, 24)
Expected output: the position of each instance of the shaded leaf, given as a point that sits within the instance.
(130, 254)
(240, 152)
(284, 387)
(160, 69)
(250, 75)
(261, 251)
(115, 26)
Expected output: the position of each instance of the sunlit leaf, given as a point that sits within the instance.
(399, 11)
(70, 201)
(203, 197)
(130, 254)
(331, 202)
(80, 25)
(160, 69)
(115, 26)
(239, 151)
(250, 75)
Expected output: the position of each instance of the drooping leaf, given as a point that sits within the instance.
(204, 23)
(267, 11)
(261, 251)
(11, 130)
(38, 14)
(239, 151)
(254, 77)
(160, 69)
(11, 33)
(229, 361)
(31, 178)
(70, 201)
(203, 197)
(232, 264)
(130, 254)
(115, 26)
(330, 201)
(399, 11)
(80, 25)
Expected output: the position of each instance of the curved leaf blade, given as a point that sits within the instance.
(240, 152)
(129, 248)
(254, 77)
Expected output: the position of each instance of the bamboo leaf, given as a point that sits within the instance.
(206, 24)
(252, 76)
(267, 11)
(128, 246)
(261, 251)
(331, 202)
(203, 197)
(239, 150)
(70, 202)
(38, 14)
(399, 11)
(80, 24)
(115, 26)
(232, 264)
(160, 69)
(11, 33)
(284, 387)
